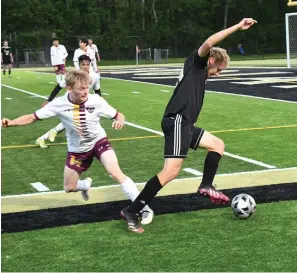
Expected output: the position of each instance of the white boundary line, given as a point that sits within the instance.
(192, 171)
(143, 183)
(252, 161)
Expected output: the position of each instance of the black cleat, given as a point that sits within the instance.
(132, 220)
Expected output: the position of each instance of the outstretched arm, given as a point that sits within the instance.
(23, 120)
(245, 24)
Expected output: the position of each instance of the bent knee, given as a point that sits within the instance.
(220, 146)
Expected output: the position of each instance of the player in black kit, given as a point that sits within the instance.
(178, 122)
(6, 57)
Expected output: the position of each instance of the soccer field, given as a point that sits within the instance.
(38, 227)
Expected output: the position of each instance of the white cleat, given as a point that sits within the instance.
(86, 194)
(147, 216)
(52, 135)
(41, 142)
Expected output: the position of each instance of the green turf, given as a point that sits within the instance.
(22, 166)
(208, 240)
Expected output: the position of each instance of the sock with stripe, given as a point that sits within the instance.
(211, 165)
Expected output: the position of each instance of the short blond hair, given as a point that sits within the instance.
(74, 77)
(220, 55)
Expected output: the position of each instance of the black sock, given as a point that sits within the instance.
(4, 72)
(211, 165)
(9, 72)
(149, 191)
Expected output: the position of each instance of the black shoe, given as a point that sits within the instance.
(132, 220)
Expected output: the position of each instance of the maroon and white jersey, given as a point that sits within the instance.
(78, 52)
(81, 121)
(58, 54)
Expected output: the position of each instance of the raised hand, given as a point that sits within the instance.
(246, 23)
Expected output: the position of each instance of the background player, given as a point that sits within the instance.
(80, 113)
(84, 64)
(6, 57)
(178, 122)
(95, 53)
(82, 50)
(58, 59)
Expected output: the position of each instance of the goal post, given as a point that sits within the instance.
(143, 55)
(161, 55)
(291, 39)
(36, 57)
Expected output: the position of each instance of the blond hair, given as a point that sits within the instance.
(74, 77)
(220, 55)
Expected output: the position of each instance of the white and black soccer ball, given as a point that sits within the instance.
(243, 205)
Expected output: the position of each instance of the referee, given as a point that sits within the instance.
(178, 126)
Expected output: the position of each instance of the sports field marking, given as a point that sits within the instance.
(256, 73)
(285, 86)
(157, 136)
(39, 186)
(153, 78)
(252, 161)
(106, 94)
(65, 143)
(193, 171)
(254, 129)
(52, 82)
(208, 91)
(44, 200)
(166, 91)
(135, 92)
(8, 98)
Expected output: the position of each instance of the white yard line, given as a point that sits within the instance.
(166, 91)
(39, 186)
(252, 161)
(193, 171)
(142, 183)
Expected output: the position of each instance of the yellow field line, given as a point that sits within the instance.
(157, 136)
(254, 129)
(64, 143)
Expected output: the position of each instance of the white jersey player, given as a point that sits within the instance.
(82, 50)
(95, 53)
(84, 64)
(58, 59)
(80, 113)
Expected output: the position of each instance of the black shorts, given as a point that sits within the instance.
(180, 135)
(6, 62)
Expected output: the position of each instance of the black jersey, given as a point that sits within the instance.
(188, 95)
(6, 51)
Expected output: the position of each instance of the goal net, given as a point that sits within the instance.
(161, 55)
(291, 39)
(143, 55)
(36, 57)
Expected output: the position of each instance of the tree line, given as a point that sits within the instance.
(116, 26)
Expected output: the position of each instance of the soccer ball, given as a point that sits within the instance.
(243, 205)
